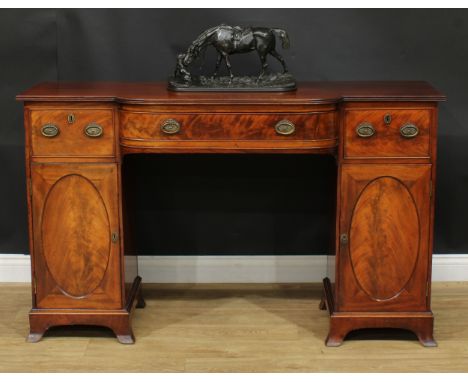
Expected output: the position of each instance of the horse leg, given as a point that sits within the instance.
(276, 55)
(228, 64)
(218, 63)
(264, 65)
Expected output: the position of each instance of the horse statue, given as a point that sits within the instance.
(229, 40)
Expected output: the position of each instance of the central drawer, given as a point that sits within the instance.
(227, 126)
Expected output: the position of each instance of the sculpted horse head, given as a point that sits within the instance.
(181, 71)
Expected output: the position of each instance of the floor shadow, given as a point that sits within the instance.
(84, 331)
(381, 334)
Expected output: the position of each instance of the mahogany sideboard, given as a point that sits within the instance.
(382, 135)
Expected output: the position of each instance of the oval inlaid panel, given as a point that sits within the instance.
(75, 235)
(384, 238)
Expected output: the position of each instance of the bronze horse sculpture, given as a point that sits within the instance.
(229, 40)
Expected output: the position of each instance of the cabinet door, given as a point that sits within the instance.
(76, 240)
(384, 258)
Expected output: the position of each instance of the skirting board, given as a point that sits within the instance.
(236, 269)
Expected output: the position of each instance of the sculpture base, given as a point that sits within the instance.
(274, 82)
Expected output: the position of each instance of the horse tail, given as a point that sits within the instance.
(283, 35)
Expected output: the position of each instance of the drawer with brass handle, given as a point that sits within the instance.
(49, 130)
(80, 132)
(170, 126)
(153, 129)
(93, 130)
(365, 130)
(409, 131)
(372, 133)
(285, 127)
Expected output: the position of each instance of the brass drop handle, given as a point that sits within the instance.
(93, 130)
(409, 131)
(50, 131)
(365, 130)
(170, 126)
(285, 127)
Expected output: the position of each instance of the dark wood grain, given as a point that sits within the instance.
(228, 131)
(77, 191)
(387, 140)
(385, 213)
(341, 324)
(118, 320)
(72, 140)
(307, 92)
(78, 261)
(75, 211)
(384, 238)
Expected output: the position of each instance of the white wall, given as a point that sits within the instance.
(236, 269)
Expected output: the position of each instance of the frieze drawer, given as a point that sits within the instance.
(228, 126)
(387, 133)
(71, 132)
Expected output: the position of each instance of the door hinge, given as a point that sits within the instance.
(430, 189)
(428, 284)
(35, 285)
(30, 187)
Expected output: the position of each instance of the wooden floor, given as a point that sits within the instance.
(235, 327)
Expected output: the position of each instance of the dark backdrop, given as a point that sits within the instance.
(237, 204)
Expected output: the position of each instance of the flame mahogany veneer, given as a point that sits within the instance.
(382, 134)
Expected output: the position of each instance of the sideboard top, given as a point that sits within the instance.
(307, 93)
